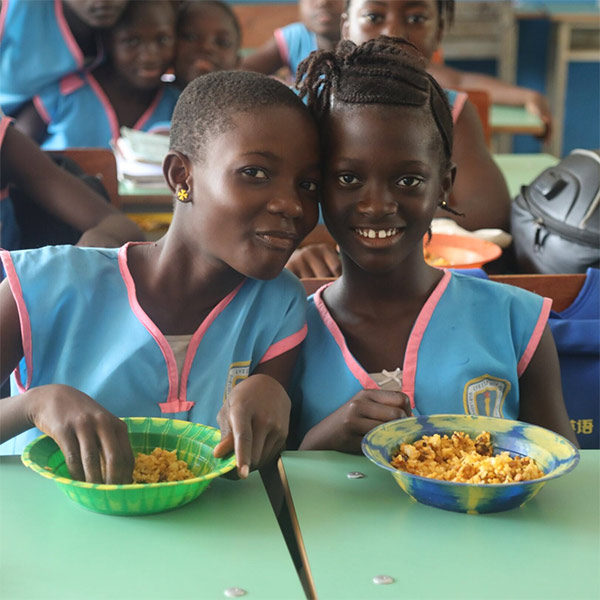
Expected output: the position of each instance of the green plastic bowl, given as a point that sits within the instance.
(194, 444)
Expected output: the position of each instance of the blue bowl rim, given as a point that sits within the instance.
(28, 462)
(574, 457)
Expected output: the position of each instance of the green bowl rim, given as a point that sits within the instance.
(228, 465)
(573, 458)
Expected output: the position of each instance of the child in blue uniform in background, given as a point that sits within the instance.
(88, 109)
(208, 40)
(319, 29)
(202, 325)
(393, 335)
(44, 40)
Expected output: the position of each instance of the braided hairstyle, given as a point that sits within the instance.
(385, 70)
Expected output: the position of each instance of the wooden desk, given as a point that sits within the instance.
(356, 529)
(53, 548)
(575, 37)
(522, 169)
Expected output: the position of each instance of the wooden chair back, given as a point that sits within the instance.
(563, 289)
(98, 162)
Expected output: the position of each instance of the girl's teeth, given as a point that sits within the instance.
(381, 233)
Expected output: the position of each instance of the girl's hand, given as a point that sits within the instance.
(315, 260)
(254, 422)
(344, 429)
(94, 442)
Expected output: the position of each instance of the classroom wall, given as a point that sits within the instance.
(582, 120)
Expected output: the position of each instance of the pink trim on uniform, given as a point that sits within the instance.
(108, 108)
(68, 34)
(42, 110)
(70, 83)
(409, 369)
(4, 123)
(282, 346)
(535, 337)
(355, 368)
(147, 322)
(3, 11)
(17, 292)
(284, 52)
(175, 406)
(459, 103)
(150, 110)
(197, 338)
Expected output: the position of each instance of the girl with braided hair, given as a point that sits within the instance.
(394, 336)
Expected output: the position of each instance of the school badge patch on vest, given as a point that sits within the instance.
(485, 395)
(237, 372)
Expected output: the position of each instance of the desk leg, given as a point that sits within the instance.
(557, 83)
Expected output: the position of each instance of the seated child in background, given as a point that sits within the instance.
(208, 39)
(88, 109)
(393, 335)
(42, 41)
(319, 29)
(480, 197)
(26, 167)
(202, 325)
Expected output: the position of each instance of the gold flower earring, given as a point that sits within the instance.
(183, 195)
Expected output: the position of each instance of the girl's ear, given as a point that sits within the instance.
(448, 183)
(177, 170)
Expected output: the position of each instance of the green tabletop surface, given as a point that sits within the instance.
(356, 529)
(522, 169)
(514, 119)
(53, 548)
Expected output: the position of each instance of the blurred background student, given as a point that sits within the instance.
(208, 39)
(42, 41)
(28, 170)
(88, 109)
(318, 29)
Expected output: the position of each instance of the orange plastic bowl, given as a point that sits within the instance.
(459, 251)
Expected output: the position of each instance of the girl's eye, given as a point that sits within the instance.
(347, 179)
(373, 17)
(165, 40)
(416, 19)
(255, 172)
(410, 181)
(224, 43)
(309, 186)
(132, 42)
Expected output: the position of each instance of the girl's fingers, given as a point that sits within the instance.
(91, 451)
(242, 442)
(118, 457)
(69, 446)
(225, 446)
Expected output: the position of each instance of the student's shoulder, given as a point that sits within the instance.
(296, 28)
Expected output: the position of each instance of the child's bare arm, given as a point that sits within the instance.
(29, 122)
(315, 260)
(540, 390)
(84, 430)
(344, 429)
(25, 165)
(255, 418)
(500, 91)
(266, 59)
(479, 190)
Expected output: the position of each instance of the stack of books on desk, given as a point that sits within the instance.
(139, 156)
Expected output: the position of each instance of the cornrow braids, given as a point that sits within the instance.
(385, 70)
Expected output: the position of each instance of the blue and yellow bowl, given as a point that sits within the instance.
(194, 444)
(553, 453)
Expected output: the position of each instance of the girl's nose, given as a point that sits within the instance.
(393, 26)
(376, 203)
(286, 203)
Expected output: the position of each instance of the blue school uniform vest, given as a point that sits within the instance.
(295, 43)
(78, 113)
(468, 347)
(82, 326)
(36, 48)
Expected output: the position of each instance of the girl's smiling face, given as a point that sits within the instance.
(255, 197)
(385, 177)
(142, 49)
(207, 41)
(418, 21)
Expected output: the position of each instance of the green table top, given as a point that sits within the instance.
(522, 169)
(356, 529)
(514, 119)
(53, 548)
